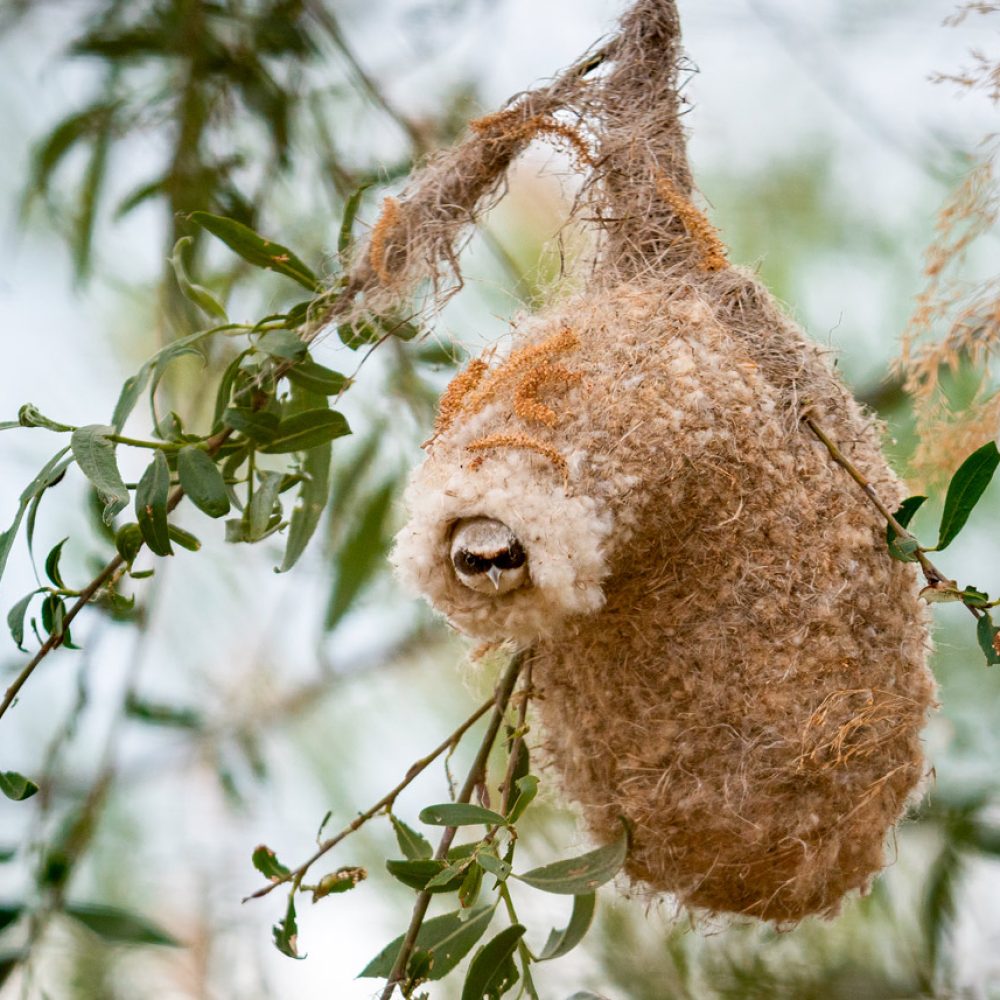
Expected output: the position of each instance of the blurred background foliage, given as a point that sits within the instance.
(232, 706)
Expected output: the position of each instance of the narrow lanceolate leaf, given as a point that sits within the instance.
(52, 564)
(51, 473)
(202, 481)
(988, 636)
(493, 864)
(258, 426)
(420, 873)
(9, 915)
(95, 454)
(904, 549)
(527, 789)
(446, 939)
(119, 926)
(317, 378)
(283, 344)
(256, 250)
(492, 972)
(16, 616)
(192, 291)
(313, 495)
(580, 875)
(16, 786)
(561, 942)
(361, 555)
(460, 814)
(261, 507)
(286, 932)
(966, 487)
(183, 538)
(306, 430)
(414, 845)
(347, 222)
(267, 863)
(151, 505)
(158, 714)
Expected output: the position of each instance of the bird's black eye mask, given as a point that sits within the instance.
(509, 558)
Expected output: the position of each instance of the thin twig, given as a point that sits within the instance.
(504, 690)
(87, 594)
(932, 574)
(386, 802)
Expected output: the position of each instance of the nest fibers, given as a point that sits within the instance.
(724, 652)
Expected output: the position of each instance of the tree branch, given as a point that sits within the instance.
(932, 574)
(505, 688)
(386, 802)
(87, 594)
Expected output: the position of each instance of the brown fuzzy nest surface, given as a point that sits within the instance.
(724, 652)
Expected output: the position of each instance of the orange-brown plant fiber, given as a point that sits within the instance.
(724, 652)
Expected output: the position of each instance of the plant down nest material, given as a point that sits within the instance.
(723, 651)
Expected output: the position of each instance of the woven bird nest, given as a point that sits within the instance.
(724, 651)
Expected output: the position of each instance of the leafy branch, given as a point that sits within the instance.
(965, 490)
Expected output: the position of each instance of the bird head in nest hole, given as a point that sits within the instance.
(487, 556)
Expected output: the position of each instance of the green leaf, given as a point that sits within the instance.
(128, 541)
(471, 885)
(964, 491)
(283, 344)
(414, 845)
(15, 618)
(360, 555)
(161, 715)
(261, 507)
(131, 391)
(527, 789)
(583, 874)
(53, 614)
(446, 939)
(986, 634)
(30, 416)
(306, 430)
(492, 864)
(342, 880)
(224, 393)
(460, 814)
(258, 425)
(95, 454)
(52, 564)
(48, 154)
(267, 863)
(492, 972)
(975, 598)
(347, 222)
(6, 854)
(202, 481)
(286, 932)
(195, 293)
(9, 915)
(183, 538)
(256, 250)
(420, 874)
(904, 549)
(151, 505)
(561, 942)
(316, 378)
(50, 474)
(16, 786)
(313, 495)
(119, 926)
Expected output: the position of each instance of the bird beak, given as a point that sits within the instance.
(494, 574)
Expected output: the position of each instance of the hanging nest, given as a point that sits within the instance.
(723, 650)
